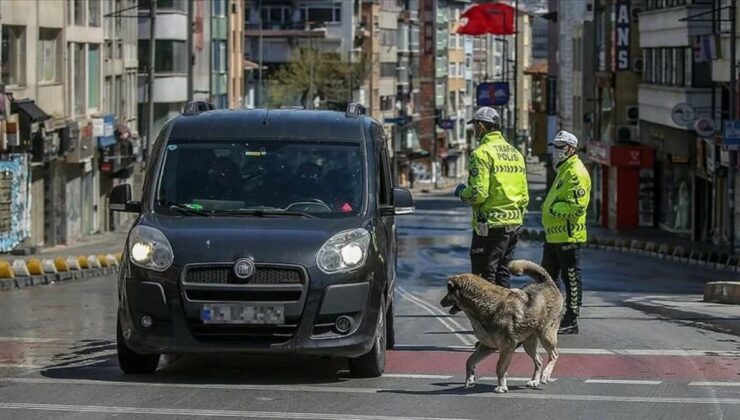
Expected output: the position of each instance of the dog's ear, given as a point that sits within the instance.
(452, 285)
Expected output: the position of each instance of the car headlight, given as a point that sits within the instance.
(149, 248)
(344, 251)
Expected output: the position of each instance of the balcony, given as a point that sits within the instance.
(287, 30)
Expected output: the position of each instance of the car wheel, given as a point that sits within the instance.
(372, 364)
(130, 361)
(390, 335)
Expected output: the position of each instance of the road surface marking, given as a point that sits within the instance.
(20, 366)
(31, 339)
(622, 381)
(462, 213)
(509, 378)
(415, 376)
(714, 383)
(356, 390)
(617, 352)
(196, 412)
(454, 328)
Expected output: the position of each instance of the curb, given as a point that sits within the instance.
(15, 275)
(693, 256)
(722, 292)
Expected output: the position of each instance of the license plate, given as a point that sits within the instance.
(242, 314)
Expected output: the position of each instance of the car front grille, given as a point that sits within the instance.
(262, 275)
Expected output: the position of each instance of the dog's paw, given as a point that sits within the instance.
(501, 390)
(533, 383)
(470, 382)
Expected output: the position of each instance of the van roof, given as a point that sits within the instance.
(264, 124)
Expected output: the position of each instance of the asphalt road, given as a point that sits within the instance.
(57, 353)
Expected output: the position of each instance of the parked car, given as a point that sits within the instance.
(262, 231)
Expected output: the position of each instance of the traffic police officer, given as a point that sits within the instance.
(564, 220)
(498, 193)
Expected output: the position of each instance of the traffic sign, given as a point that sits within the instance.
(493, 94)
(731, 138)
(682, 114)
(447, 124)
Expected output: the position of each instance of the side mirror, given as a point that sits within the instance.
(403, 203)
(120, 200)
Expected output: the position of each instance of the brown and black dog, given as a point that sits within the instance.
(502, 319)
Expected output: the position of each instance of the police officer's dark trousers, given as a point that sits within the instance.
(490, 255)
(564, 261)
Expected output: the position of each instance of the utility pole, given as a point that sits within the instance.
(259, 47)
(733, 115)
(516, 71)
(190, 48)
(150, 75)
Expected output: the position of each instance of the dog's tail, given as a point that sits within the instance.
(535, 271)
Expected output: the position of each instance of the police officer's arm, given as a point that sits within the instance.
(574, 199)
(478, 180)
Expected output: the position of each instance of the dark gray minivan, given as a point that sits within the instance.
(262, 231)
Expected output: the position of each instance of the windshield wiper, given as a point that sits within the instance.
(184, 208)
(265, 212)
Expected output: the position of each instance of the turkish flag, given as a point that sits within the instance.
(488, 18)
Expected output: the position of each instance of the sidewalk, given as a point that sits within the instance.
(691, 310)
(103, 243)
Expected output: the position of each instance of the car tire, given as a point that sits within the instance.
(372, 363)
(130, 361)
(390, 335)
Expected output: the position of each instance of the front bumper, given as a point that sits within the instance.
(310, 311)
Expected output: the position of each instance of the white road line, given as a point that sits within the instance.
(714, 383)
(510, 378)
(355, 390)
(31, 339)
(415, 376)
(582, 351)
(622, 381)
(196, 412)
(454, 328)
(439, 311)
(20, 366)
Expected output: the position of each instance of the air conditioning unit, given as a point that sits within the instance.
(627, 133)
(632, 113)
(638, 64)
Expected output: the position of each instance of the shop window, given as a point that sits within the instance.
(675, 195)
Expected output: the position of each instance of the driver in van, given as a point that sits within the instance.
(224, 180)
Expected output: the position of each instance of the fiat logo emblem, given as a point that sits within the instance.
(244, 268)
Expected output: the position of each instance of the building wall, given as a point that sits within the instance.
(570, 13)
(236, 53)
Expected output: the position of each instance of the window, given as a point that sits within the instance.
(219, 56)
(93, 76)
(322, 14)
(48, 55)
(669, 67)
(78, 73)
(453, 70)
(178, 5)
(219, 8)
(78, 11)
(388, 70)
(170, 56)
(388, 37)
(13, 58)
(386, 103)
(414, 44)
(275, 16)
(688, 57)
(93, 13)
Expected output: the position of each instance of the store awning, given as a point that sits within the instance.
(29, 108)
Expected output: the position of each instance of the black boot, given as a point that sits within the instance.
(569, 325)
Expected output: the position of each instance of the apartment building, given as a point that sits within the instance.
(68, 71)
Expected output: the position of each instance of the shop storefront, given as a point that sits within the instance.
(622, 185)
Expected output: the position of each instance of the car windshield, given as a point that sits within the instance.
(279, 177)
